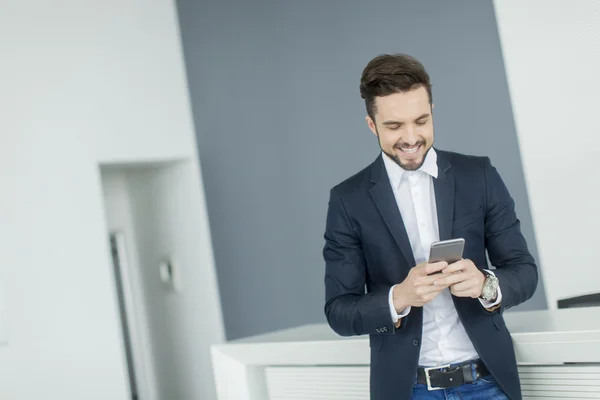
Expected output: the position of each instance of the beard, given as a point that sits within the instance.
(412, 165)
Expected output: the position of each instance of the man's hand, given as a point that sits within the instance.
(418, 288)
(463, 278)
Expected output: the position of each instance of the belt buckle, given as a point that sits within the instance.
(428, 379)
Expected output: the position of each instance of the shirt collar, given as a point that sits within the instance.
(395, 172)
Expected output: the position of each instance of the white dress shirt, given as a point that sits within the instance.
(444, 340)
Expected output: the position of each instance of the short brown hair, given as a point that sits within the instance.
(391, 73)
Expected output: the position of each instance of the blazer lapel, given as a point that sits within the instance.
(443, 186)
(384, 199)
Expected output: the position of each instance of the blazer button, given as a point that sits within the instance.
(415, 342)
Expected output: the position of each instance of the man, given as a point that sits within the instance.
(436, 330)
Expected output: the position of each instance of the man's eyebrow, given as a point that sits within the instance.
(392, 122)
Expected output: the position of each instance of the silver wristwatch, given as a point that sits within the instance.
(490, 286)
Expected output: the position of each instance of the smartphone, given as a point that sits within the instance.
(447, 250)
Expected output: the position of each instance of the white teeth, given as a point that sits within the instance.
(413, 150)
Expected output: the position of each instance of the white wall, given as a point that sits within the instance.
(552, 55)
(82, 82)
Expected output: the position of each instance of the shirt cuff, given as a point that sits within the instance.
(490, 304)
(393, 313)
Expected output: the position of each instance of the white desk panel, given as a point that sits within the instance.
(558, 353)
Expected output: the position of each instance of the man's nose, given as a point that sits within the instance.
(411, 138)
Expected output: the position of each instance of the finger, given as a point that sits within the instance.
(426, 298)
(464, 286)
(420, 269)
(435, 267)
(449, 280)
(426, 280)
(431, 295)
(455, 267)
(423, 290)
(464, 293)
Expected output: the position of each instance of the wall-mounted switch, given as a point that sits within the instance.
(169, 274)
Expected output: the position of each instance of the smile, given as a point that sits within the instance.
(410, 150)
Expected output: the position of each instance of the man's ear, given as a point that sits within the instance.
(371, 125)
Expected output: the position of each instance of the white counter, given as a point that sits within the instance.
(313, 362)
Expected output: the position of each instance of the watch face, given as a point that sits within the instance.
(487, 292)
(490, 288)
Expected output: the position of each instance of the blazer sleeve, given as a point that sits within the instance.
(348, 308)
(507, 249)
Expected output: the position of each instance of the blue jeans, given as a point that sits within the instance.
(483, 388)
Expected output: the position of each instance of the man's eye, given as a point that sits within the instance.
(421, 122)
(393, 127)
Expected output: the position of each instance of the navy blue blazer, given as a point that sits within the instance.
(366, 246)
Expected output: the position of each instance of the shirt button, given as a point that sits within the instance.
(415, 342)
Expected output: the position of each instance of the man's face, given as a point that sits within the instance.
(404, 126)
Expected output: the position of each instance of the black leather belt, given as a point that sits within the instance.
(450, 376)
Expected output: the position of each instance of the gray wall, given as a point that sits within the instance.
(274, 88)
